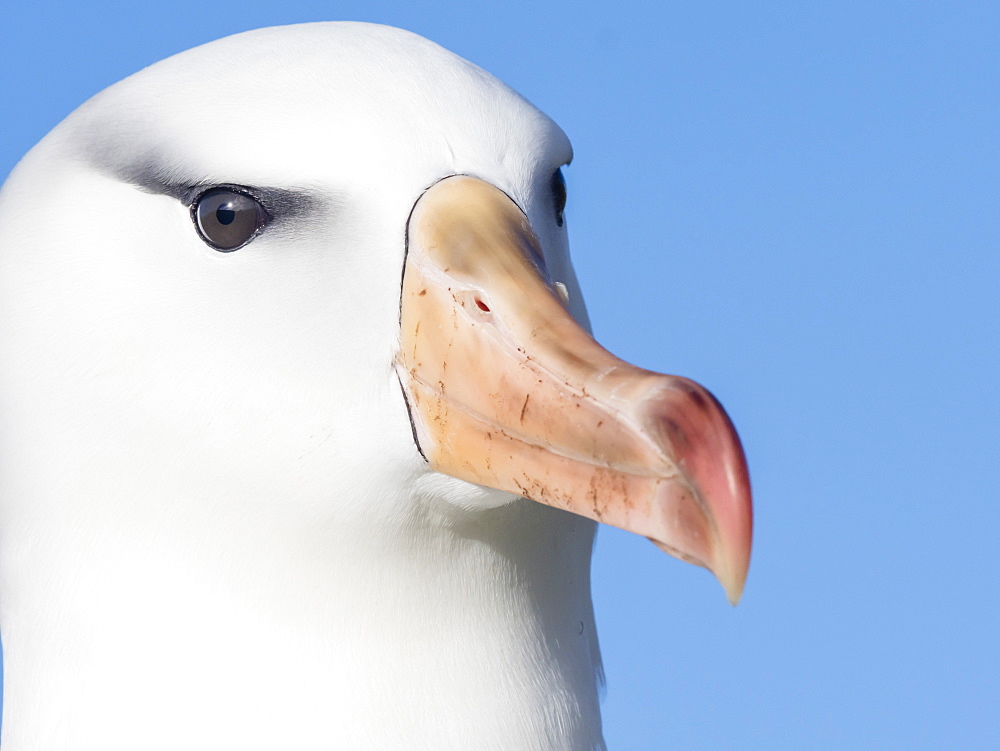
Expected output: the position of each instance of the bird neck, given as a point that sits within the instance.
(463, 628)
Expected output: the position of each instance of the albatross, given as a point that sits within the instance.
(304, 437)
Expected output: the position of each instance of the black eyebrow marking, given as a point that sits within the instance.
(280, 203)
(152, 175)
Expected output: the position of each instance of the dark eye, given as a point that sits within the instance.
(227, 219)
(559, 196)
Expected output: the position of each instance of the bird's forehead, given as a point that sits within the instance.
(303, 103)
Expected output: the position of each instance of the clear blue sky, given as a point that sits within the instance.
(797, 204)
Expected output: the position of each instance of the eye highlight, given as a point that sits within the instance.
(558, 187)
(228, 219)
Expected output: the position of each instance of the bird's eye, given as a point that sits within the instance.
(559, 196)
(227, 219)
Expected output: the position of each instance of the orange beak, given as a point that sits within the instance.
(506, 389)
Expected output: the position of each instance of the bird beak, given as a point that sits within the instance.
(506, 389)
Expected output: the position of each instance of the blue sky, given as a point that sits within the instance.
(797, 205)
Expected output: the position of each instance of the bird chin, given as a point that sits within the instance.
(451, 492)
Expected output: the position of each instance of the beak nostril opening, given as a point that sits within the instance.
(482, 306)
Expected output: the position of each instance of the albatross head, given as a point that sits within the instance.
(288, 332)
